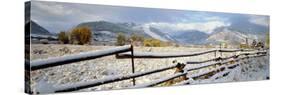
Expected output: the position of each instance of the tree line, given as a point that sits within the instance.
(139, 40)
(79, 35)
(83, 35)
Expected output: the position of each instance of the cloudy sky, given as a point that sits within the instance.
(55, 17)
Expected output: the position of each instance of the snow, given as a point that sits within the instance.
(154, 35)
(163, 54)
(109, 79)
(138, 54)
(44, 87)
(153, 83)
(185, 82)
(205, 72)
(78, 57)
(91, 71)
(193, 75)
(214, 77)
(43, 36)
(105, 80)
(258, 69)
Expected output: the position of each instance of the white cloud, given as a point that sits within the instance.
(213, 18)
(207, 27)
(56, 16)
(259, 20)
(52, 8)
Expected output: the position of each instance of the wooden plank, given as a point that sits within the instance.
(224, 58)
(133, 63)
(83, 85)
(159, 81)
(223, 62)
(161, 55)
(236, 50)
(57, 61)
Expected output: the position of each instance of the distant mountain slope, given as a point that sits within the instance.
(126, 28)
(156, 34)
(190, 37)
(105, 26)
(37, 29)
(108, 31)
(228, 35)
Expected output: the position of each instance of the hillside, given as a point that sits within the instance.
(190, 37)
(226, 35)
(37, 29)
(105, 31)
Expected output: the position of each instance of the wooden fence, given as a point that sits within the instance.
(127, 51)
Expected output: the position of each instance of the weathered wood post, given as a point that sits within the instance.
(180, 69)
(220, 49)
(133, 63)
(216, 54)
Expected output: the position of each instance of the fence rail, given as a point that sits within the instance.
(192, 76)
(231, 66)
(107, 80)
(235, 50)
(128, 52)
(57, 61)
(177, 54)
(161, 55)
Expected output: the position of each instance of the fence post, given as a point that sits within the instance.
(216, 54)
(133, 63)
(220, 49)
(179, 69)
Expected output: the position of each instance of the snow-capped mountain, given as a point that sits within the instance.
(230, 36)
(104, 30)
(107, 31)
(157, 34)
(37, 29)
(226, 35)
(190, 37)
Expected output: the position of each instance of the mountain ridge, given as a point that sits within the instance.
(107, 31)
(37, 29)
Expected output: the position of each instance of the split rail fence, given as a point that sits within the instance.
(127, 51)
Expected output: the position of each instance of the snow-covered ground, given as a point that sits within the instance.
(43, 80)
(249, 70)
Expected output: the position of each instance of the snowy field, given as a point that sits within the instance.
(255, 69)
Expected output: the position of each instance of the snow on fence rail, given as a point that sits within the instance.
(223, 66)
(222, 73)
(122, 52)
(56, 61)
(111, 79)
(225, 58)
(175, 54)
(161, 55)
(235, 50)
